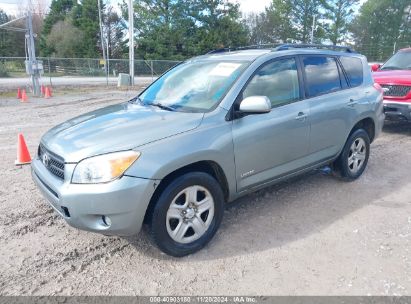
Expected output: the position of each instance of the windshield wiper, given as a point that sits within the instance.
(154, 104)
(135, 99)
(161, 106)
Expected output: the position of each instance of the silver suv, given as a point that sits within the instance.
(208, 131)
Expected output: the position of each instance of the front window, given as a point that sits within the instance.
(193, 86)
(400, 61)
(277, 80)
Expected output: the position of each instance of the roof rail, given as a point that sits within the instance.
(222, 50)
(288, 46)
(283, 47)
(240, 48)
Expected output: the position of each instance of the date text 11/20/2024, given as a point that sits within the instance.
(204, 299)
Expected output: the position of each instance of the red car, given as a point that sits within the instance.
(394, 77)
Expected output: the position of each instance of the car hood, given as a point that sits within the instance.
(115, 128)
(401, 77)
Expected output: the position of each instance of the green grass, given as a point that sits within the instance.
(8, 94)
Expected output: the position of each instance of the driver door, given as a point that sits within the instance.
(267, 146)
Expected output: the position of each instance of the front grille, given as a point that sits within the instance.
(53, 162)
(396, 90)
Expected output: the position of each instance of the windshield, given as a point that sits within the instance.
(400, 61)
(193, 86)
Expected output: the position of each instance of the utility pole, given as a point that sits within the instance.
(102, 40)
(108, 58)
(312, 30)
(131, 40)
(32, 66)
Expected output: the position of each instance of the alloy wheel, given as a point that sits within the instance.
(190, 214)
(357, 155)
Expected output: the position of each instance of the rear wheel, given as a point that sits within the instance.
(187, 214)
(354, 156)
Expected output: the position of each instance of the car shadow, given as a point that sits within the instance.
(290, 211)
(397, 127)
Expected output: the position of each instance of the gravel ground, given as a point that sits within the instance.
(314, 235)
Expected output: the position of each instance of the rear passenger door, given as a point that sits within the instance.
(330, 100)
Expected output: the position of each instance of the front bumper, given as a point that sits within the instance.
(397, 110)
(124, 201)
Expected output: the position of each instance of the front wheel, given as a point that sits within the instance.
(354, 156)
(187, 214)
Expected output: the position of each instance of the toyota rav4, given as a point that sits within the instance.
(208, 131)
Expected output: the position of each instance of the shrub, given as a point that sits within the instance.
(3, 70)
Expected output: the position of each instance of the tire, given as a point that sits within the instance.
(354, 157)
(180, 222)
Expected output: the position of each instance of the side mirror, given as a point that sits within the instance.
(255, 105)
(375, 67)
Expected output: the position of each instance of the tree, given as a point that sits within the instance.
(6, 37)
(279, 26)
(11, 42)
(382, 27)
(302, 16)
(289, 21)
(114, 31)
(59, 9)
(159, 31)
(170, 29)
(65, 39)
(84, 16)
(255, 23)
(339, 13)
(219, 24)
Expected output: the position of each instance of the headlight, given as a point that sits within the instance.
(103, 168)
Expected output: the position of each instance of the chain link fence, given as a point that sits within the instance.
(92, 67)
(86, 67)
(380, 53)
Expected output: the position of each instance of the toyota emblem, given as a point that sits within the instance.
(46, 160)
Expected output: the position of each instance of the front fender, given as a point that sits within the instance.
(212, 141)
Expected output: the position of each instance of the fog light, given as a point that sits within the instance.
(106, 220)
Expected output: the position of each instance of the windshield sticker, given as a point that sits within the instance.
(224, 69)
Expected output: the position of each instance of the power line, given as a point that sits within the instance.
(11, 21)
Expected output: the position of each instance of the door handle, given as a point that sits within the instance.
(352, 102)
(301, 116)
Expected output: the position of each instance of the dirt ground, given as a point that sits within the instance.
(314, 235)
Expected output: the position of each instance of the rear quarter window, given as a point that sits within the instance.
(354, 70)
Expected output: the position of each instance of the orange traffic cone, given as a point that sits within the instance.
(47, 93)
(18, 93)
(23, 154)
(24, 96)
(43, 90)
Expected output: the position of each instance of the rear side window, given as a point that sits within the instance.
(354, 69)
(322, 75)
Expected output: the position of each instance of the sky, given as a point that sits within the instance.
(251, 6)
(247, 6)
